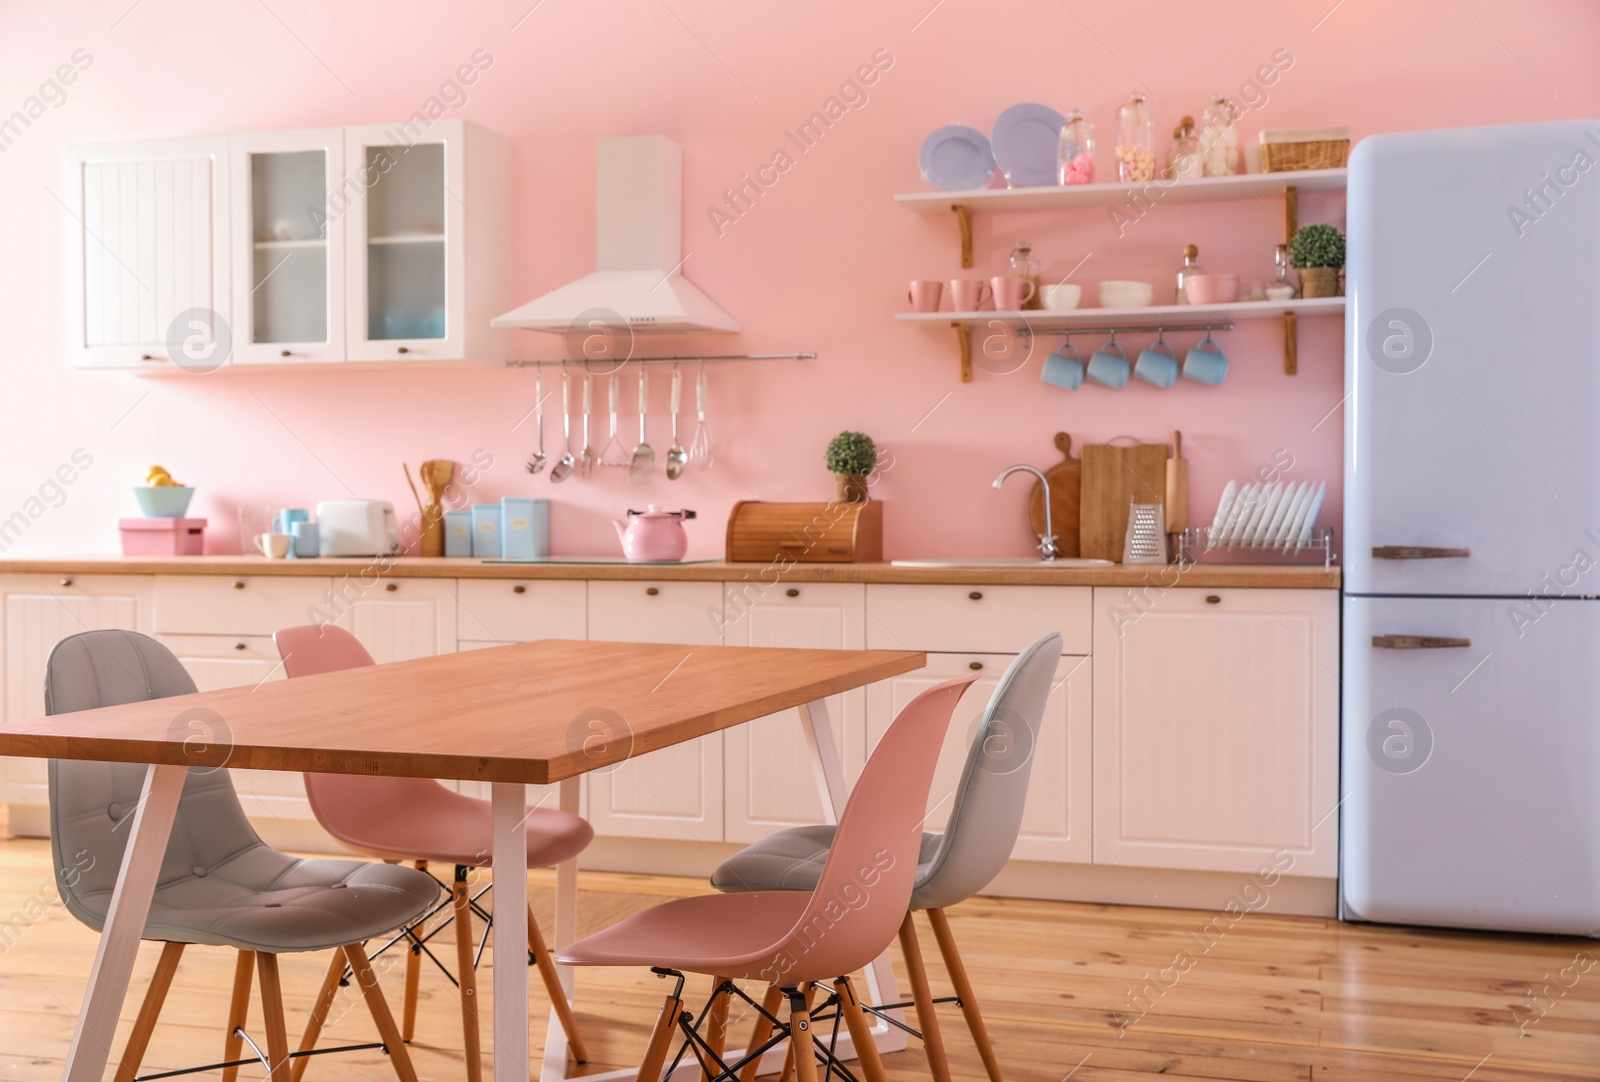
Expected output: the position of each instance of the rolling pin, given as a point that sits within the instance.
(1177, 487)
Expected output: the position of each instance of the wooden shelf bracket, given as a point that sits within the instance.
(964, 220)
(1291, 345)
(964, 337)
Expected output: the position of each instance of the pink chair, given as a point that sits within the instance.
(417, 819)
(789, 940)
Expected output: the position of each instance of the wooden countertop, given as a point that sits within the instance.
(1260, 576)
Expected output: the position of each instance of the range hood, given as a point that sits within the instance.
(638, 250)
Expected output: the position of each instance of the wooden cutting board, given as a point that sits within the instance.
(1065, 486)
(1113, 477)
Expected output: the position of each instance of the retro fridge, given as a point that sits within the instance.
(1470, 749)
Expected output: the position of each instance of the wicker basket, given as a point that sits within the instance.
(1289, 157)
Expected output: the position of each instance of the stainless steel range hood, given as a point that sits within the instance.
(638, 250)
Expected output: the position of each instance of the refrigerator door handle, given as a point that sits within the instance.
(1417, 642)
(1417, 552)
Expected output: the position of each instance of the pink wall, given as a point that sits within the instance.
(820, 263)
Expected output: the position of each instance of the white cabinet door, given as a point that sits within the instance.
(1216, 721)
(401, 619)
(676, 792)
(289, 220)
(771, 783)
(1056, 817)
(427, 262)
(149, 244)
(40, 611)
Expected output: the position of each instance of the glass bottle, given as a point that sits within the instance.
(1024, 264)
(1183, 160)
(1219, 138)
(1136, 156)
(1075, 152)
(1190, 254)
(1281, 289)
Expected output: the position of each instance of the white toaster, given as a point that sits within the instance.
(356, 528)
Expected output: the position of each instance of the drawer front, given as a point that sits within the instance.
(681, 612)
(496, 610)
(236, 605)
(222, 647)
(977, 619)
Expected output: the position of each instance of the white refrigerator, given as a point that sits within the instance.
(1470, 737)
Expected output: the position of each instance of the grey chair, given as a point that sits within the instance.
(953, 866)
(220, 885)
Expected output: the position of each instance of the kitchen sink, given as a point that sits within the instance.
(1063, 563)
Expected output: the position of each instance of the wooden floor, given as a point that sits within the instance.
(1271, 998)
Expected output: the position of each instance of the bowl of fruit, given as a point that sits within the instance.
(162, 497)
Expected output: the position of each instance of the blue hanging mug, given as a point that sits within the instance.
(1109, 365)
(1157, 364)
(1206, 363)
(1064, 367)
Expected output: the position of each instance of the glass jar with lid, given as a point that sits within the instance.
(1075, 152)
(1136, 155)
(1024, 264)
(1183, 160)
(1219, 138)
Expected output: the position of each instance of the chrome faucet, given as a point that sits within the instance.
(1047, 540)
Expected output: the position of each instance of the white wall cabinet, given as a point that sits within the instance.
(149, 243)
(770, 783)
(677, 792)
(1216, 729)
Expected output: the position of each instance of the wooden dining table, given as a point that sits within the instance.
(523, 714)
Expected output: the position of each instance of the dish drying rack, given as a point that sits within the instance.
(1195, 543)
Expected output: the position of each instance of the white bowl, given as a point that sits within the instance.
(1061, 298)
(1126, 294)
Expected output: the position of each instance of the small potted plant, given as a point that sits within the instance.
(1317, 252)
(851, 456)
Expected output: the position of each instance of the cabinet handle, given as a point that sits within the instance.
(519, 589)
(791, 592)
(146, 357)
(1213, 599)
(285, 353)
(651, 591)
(392, 587)
(1417, 642)
(239, 646)
(238, 584)
(974, 665)
(66, 582)
(402, 349)
(976, 595)
(1417, 552)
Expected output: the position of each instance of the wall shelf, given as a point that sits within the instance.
(1166, 316)
(1204, 190)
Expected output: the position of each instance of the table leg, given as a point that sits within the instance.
(130, 907)
(510, 855)
(831, 786)
(554, 1067)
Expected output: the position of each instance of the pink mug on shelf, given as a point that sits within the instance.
(925, 294)
(969, 294)
(1011, 293)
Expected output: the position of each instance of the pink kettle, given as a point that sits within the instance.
(653, 535)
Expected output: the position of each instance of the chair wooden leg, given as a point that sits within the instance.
(963, 986)
(805, 1055)
(716, 1034)
(655, 1053)
(927, 1020)
(462, 909)
(558, 995)
(770, 1003)
(238, 1012)
(149, 1011)
(860, 1030)
(319, 1014)
(272, 1020)
(408, 1027)
(378, 1007)
(787, 1074)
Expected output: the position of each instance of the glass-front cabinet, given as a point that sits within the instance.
(289, 246)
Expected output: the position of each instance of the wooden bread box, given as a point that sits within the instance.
(807, 533)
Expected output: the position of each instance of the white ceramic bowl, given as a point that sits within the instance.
(1061, 298)
(1126, 294)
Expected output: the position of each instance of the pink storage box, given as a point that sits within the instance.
(163, 536)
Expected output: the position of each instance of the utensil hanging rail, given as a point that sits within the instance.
(1141, 328)
(689, 359)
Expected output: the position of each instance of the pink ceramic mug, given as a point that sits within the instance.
(1011, 293)
(969, 294)
(925, 294)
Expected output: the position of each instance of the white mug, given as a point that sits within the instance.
(274, 546)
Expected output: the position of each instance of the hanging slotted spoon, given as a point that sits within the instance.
(586, 456)
(676, 455)
(700, 446)
(561, 469)
(613, 453)
(643, 466)
(536, 463)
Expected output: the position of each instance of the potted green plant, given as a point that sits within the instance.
(851, 456)
(1317, 252)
